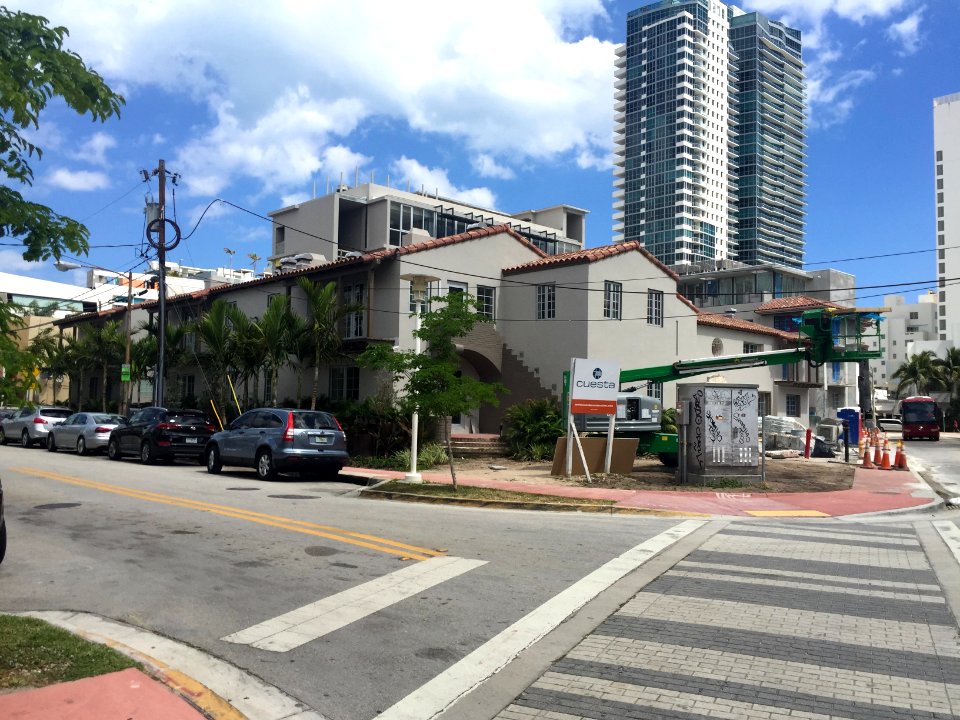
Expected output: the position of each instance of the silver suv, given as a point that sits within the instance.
(30, 424)
(274, 440)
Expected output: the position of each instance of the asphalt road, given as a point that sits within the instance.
(198, 557)
(938, 461)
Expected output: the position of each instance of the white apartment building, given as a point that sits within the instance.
(908, 329)
(946, 148)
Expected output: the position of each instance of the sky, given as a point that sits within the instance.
(507, 104)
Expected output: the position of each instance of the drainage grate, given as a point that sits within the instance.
(294, 497)
(243, 488)
(56, 506)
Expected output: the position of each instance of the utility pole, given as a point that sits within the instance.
(127, 386)
(159, 381)
(159, 226)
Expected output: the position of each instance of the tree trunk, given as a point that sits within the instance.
(299, 388)
(103, 389)
(453, 469)
(316, 383)
(274, 375)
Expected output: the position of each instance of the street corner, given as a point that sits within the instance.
(213, 688)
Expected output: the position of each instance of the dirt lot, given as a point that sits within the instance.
(786, 475)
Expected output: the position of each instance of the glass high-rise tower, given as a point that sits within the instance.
(710, 135)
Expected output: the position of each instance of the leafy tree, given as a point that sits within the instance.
(104, 346)
(950, 374)
(324, 314)
(921, 372)
(35, 68)
(247, 357)
(430, 379)
(143, 361)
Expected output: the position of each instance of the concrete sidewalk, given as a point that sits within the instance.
(873, 491)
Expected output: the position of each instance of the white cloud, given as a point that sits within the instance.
(78, 179)
(94, 150)
(906, 33)
(12, 262)
(435, 181)
(596, 161)
(831, 95)
(485, 166)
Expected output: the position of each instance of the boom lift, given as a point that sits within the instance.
(825, 335)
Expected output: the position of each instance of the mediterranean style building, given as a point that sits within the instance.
(946, 148)
(710, 135)
(544, 302)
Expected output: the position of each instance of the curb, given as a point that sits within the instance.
(374, 494)
(934, 504)
(216, 688)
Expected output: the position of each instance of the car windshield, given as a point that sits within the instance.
(919, 412)
(109, 419)
(314, 421)
(55, 412)
(186, 418)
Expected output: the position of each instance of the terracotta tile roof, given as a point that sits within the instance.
(718, 320)
(590, 255)
(361, 259)
(794, 302)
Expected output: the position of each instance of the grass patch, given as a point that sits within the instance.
(34, 653)
(466, 492)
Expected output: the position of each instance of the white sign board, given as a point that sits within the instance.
(594, 385)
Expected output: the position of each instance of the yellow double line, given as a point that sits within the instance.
(371, 542)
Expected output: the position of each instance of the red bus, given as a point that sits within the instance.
(920, 417)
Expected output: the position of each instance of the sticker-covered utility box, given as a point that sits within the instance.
(719, 432)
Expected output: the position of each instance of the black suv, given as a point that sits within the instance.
(156, 433)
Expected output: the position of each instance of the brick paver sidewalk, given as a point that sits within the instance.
(770, 622)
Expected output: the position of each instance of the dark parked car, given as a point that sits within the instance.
(156, 433)
(30, 424)
(273, 440)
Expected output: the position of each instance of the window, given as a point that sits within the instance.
(267, 386)
(763, 404)
(835, 372)
(655, 390)
(612, 300)
(188, 384)
(546, 302)
(749, 347)
(939, 155)
(915, 315)
(344, 383)
(353, 294)
(793, 405)
(453, 286)
(486, 302)
(403, 218)
(279, 240)
(655, 308)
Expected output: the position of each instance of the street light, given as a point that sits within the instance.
(64, 266)
(418, 287)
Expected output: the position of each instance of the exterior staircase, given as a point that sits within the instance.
(478, 445)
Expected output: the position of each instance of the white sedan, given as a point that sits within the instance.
(84, 432)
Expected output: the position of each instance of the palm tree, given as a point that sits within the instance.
(106, 345)
(302, 348)
(143, 359)
(247, 357)
(920, 372)
(41, 349)
(216, 331)
(275, 328)
(324, 315)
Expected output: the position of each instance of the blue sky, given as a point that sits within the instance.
(506, 103)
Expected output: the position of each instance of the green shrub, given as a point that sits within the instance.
(668, 421)
(531, 424)
(431, 455)
(537, 452)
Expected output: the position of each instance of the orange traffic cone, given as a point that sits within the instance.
(885, 462)
(902, 465)
(877, 458)
(865, 454)
(898, 457)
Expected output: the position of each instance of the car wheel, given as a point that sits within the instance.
(213, 460)
(113, 450)
(81, 446)
(51, 443)
(25, 440)
(3, 437)
(265, 468)
(146, 453)
(331, 473)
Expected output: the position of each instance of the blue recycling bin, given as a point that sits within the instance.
(852, 416)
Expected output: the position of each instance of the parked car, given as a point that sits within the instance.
(31, 424)
(274, 440)
(890, 424)
(156, 433)
(84, 432)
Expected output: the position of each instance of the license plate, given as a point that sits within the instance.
(191, 440)
(321, 439)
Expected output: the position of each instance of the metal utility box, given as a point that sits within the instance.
(719, 434)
